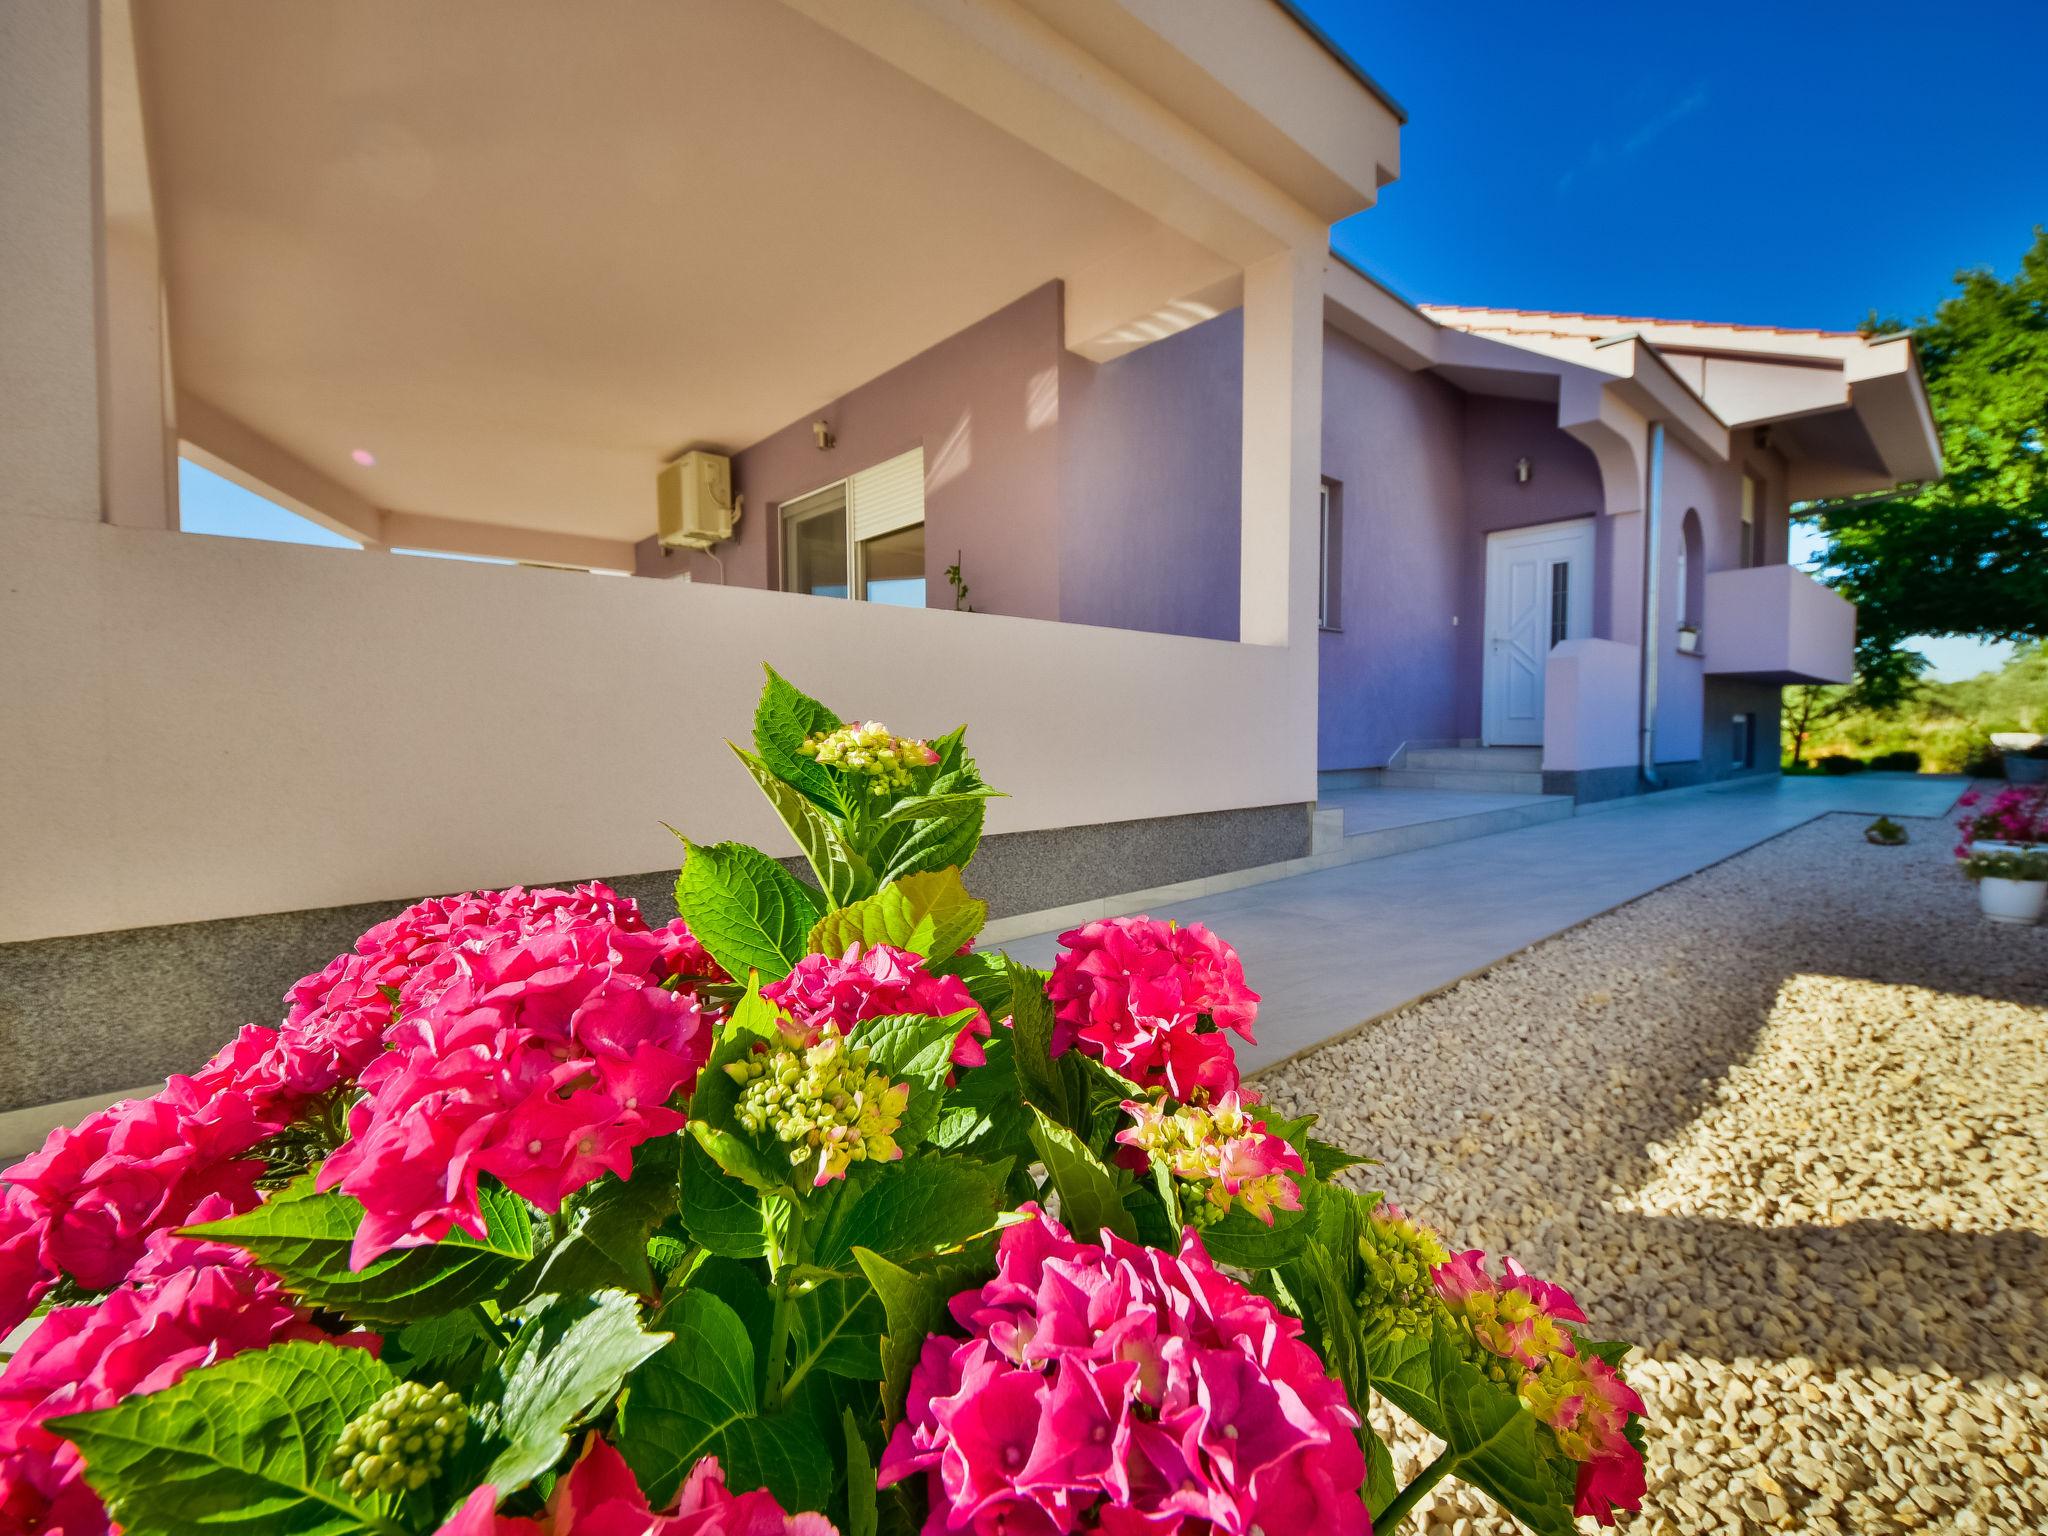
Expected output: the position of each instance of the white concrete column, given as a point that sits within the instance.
(139, 441)
(50, 462)
(1283, 442)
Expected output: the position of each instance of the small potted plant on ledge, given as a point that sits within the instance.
(1885, 832)
(1689, 638)
(2011, 887)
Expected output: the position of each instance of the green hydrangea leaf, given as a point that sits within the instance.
(697, 1397)
(862, 1516)
(1031, 1031)
(1241, 1240)
(915, 1307)
(930, 805)
(303, 1237)
(609, 1223)
(1326, 1160)
(746, 909)
(917, 1206)
(838, 1328)
(451, 1347)
(940, 842)
(843, 874)
(984, 1110)
(1091, 1195)
(1499, 1445)
(783, 718)
(985, 974)
(240, 1447)
(719, 1211)
(929, 914)
(567, 1363)
(917, 1049)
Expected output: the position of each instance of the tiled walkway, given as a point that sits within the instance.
(1332, 949)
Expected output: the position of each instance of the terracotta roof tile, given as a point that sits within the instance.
(1571, 314)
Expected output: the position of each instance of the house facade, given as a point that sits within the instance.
(1059, 318)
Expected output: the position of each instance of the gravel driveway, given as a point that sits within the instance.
(1785, 1124)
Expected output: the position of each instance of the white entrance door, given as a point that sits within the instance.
(1539, 590)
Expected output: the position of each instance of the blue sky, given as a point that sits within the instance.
(1796, 163)
(1792, 163)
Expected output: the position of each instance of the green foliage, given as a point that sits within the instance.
(905, 1210)
(2007, 866)
(240, 1447)
(1091, 1193)
(606, 1227)
(564, 1367)
(1493, 1442)
(303, 1237)
(1948, 725)
(914, 1308)
(856, 846)
(1967, 555)
(929, 914)
(697, 1397)
(746, 909)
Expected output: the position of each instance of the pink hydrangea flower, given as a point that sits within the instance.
(2017, 814)
(542, 1062)
(1587, 1406)
(1516, 1317)
(87, 1202)
(600, 1498)
(1221, 1147)
(1127, 1388)
(875, 982)
(189, 1304)
(1137, 991)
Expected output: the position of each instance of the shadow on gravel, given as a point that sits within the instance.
(1962, 1302)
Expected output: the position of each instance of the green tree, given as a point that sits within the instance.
(1967, 555)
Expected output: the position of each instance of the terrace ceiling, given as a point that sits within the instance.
(523, 252)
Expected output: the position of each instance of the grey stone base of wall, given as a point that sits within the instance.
(103, 1012)
(1589, 785)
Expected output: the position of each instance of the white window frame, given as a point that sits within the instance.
(856, 558)
(1329, 614)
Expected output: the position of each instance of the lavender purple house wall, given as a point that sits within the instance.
(1108, 494)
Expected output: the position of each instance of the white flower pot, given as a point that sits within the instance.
(2012, 901)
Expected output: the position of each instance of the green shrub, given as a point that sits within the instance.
(1840, 763)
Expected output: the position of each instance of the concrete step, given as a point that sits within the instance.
(1385, 841)
(1474, 759)
(1480, 780)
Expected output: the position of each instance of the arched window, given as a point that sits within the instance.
(1692, 570)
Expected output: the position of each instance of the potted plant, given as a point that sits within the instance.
(2011, 887)
(2029, 765)
(1885, 832)
(1689, 638)
(747, 1219)
(2014, 820)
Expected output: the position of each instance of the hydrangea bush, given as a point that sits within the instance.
(799, 1215)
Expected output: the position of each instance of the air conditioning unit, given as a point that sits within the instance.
(695, 503)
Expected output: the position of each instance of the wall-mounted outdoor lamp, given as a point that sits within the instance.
(1523, 469)
(822, 431)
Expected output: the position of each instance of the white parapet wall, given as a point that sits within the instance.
(200, 728)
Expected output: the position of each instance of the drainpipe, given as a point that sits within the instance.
(1653, 524)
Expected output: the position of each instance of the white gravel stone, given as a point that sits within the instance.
(1785, 1125)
